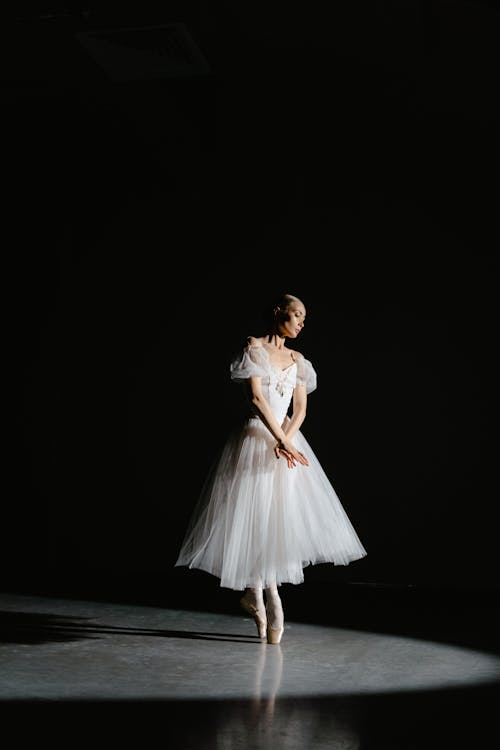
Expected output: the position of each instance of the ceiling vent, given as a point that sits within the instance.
(146, 52)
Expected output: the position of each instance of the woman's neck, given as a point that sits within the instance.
(275, 339)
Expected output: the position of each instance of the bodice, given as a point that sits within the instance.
(277, 383)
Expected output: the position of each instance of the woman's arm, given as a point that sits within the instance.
(299, 410)
(284, 444)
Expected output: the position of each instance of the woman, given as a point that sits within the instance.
(267, 508)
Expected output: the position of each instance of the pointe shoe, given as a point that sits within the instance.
(258, 616)
(274, 634)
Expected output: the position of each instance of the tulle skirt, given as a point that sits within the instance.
(257, 522)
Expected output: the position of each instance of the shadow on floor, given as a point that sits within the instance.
(37, 628)
(465, 617)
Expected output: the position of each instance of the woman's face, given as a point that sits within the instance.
(293, 319)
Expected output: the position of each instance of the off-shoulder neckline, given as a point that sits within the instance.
(275, 367)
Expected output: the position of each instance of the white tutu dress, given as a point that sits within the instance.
(258, 522)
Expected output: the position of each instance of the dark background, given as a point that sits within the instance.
(347, 156)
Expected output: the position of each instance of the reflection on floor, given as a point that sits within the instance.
(203, 680)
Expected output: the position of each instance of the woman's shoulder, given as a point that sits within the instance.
(255, 340)
(296, 356)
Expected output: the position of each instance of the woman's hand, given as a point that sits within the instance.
(293, 456)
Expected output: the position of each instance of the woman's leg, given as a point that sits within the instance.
(252, 602)
(274, 615)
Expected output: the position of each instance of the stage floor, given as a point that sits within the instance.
(203, 679)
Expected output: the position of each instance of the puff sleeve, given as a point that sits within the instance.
(306, 375)
(251, 362)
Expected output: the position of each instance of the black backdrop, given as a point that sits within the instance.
(352, 162)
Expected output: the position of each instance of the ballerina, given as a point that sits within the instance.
(267, 509)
